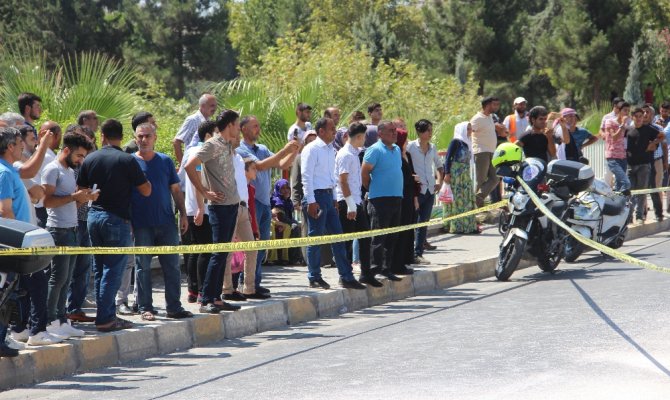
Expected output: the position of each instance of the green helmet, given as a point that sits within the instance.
(506, 153)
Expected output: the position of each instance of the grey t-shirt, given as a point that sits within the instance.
(62, 178)
(217, 155)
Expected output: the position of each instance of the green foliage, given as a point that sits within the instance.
(632, 93)
(374, 35)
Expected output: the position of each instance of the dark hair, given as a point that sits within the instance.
(139, 119)
(536, 112)
(357, 128)
(372, 107)
(75, 140)
(321, 124)
(623, 104)
(246, 119)
(327, 114)
(488, 100)
(8, 136)
(637, 110)
(302, 107)
(382, 125)
(422, 125)
(616, 101)
(72, 128)
(205, 128)
(665, 104)
(248, 162)
(226, 118)
(357, 116)
(85, 115)
(25, 130)
(112, 129)
(26, 100)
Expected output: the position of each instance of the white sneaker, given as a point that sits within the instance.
(19, 336)
(55, 328)
(14, 344)
(43, 338)
(71, 330)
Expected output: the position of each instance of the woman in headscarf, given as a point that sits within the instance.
(457, 174)
(341, 137)
(284, 226)
(404, 253)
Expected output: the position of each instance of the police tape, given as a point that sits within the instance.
(588, 242)
(650, 191)
(237, 246)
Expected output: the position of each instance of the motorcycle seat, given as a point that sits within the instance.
(614, 206)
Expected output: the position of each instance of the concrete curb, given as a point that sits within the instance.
(44, 363)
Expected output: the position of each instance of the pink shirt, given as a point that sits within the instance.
(615, 147)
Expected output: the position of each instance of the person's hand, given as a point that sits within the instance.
(82, 195)
(214, 197)
(447, 178)
(416, 178)
(652, 146)
(93, 196)
(313, 210)
(336, 205)
(199, 216)
(293, 146)
(351, 215)
(45, 138)
(183, 223)
(416, 203)
(36, 193)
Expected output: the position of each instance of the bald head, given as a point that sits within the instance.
(207, 104)
(55, 129)
(333, 113)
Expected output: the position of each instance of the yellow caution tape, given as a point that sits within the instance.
(649, 191)
(238, 246)
(587, 241)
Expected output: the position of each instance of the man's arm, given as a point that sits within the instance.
(31, 167)
(178, 152)
(6, 209)
(193, 175)
(366, 168)
(592, 139)
(282, 159)
(178, 198)
(52, 201)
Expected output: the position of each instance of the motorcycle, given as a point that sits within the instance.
(599, 214)
(17, 234)
(527, 229)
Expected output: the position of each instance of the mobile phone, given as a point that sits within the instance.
(295, 134)
(93, 190)
(318, 214)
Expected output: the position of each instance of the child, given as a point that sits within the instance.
(283, 223)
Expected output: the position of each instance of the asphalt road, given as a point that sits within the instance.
(597, 329)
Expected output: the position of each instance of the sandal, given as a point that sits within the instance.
(148, 316)
(117, 325)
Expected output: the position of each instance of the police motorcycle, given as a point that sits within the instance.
(599, 214)
(526, 230)
(16, 234)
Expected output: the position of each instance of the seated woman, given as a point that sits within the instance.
(284, 226)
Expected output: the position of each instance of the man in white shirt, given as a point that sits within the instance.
(483, 145)
(303, 113)
(188, 133)
(317, 163)
(353, 216)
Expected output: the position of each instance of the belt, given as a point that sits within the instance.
(323, 191)
(659, 158)
(243, 204)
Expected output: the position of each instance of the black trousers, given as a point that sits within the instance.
(197, 262)
(360, 224)
(384, 213)
(404, 248)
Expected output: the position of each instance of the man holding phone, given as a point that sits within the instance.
(317, 163)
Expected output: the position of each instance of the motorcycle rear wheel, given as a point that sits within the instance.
(573, 249)
(509, 258)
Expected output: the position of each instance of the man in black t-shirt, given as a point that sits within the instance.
(114, 173)
(539, 141)
(642, 142)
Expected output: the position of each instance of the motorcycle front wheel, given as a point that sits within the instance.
(573, 249)
(509, 258)
(550, 259)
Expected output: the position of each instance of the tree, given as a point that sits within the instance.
(374, 35)
(632, 93)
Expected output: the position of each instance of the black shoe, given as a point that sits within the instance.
(370, 281)
(223, 306)
(123, 309)
(404, 271)
(390, 276)
(180, 314)
(136, 308)
(258, 296)
(261, 289)
(319, 283)
(353, 284)
(7, 351)
(209, 309)
(428, 246)
(235, 296)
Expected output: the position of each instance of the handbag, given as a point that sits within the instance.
(446, 196)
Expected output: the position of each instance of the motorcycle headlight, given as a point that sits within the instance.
(520, 200)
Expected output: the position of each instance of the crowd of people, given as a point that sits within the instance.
(344, 178)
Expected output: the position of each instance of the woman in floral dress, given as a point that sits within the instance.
(457, 173)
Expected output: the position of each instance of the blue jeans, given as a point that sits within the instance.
(62, 268)
(108, 230)
(163, 235)
(618, 167)
(263, 219)
(82, 272)
(426, 201)
(223, 220)
(327, 223)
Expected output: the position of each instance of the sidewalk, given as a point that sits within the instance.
(457, 259)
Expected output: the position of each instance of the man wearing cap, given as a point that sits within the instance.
(483, 146)
(579, 137)
(517, 123)
(303, 112)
